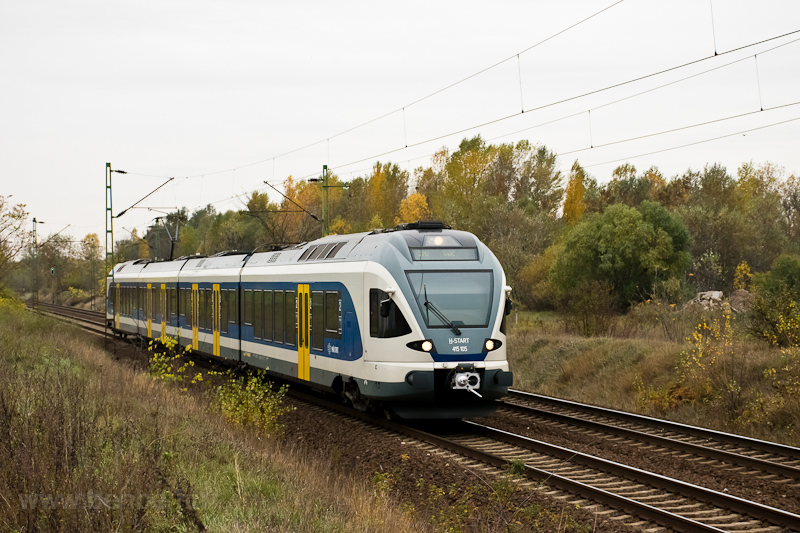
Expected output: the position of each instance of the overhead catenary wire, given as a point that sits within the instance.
(417, 101)
(742, 132)
(682, 128)
(551, 104)
(464, 130)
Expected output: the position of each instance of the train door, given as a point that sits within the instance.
(303, 333)
(117, 303)
(195, 316)
(148, 312)
(164, 312)
(215, 316)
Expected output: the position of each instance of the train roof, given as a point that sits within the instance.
(405, 239)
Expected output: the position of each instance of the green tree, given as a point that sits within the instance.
(539, 183)
(628, 248)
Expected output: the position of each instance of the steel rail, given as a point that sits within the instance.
(695, 449)
(618, 502)
(725, 501)
(790, 452)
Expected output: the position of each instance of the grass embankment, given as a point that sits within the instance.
(695, 369)
(88, 444)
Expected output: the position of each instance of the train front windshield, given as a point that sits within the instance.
(462, 297)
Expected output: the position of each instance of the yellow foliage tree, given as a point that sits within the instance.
(413, 208)
(339, 227)
(741, 278)
(574, 206)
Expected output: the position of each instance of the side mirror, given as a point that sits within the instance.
(509, 305)
(386, 308)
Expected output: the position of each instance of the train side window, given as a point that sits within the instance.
(279, 316)
(258, 315)
(268, 315)
(234, 306)
(291, 317)
(224, 303)
(247, 308)
(333, 314)
(317, 321)
(173, 298)
(156, 292)
(392, 325)
(182, 305)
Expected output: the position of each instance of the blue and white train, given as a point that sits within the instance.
(411, 320)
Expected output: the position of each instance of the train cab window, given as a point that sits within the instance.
(279, 317)
(333, 314)
(291, 317)
(317, 321)
(394, 324)
(247, 308)
(268, 315)
(258, 315)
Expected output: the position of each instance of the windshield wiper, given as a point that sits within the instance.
(439, 314)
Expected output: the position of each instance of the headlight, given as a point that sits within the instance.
(491, 345)
(422, 346)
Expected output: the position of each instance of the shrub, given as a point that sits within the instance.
(251, 401)
(775, 316)
(588, 308)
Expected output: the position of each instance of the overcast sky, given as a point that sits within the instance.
(214, 93)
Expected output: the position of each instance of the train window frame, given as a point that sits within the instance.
(290, 316)
(317, 320)
(247, 307)
(269, 314)
(388, 327)
(279, 330)
(182, 305)
(173, 312)
(333, 314)
(258, 314)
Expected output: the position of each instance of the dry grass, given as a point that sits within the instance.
(751, 388)
(120, 450)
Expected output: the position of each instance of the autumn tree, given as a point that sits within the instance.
(574, 204)
(13, 236)
(413, 208)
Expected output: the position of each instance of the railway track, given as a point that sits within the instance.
(640, 498)
(733, 452)
(92, 321)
